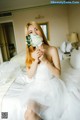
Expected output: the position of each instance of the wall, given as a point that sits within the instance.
(74, 18)
(55, 15)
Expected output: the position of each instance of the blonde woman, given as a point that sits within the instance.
(44, 53)
(36, 56)
(46, 95)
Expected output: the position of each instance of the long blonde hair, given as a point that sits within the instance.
(30, 49)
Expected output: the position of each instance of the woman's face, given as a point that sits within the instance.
(34, 30)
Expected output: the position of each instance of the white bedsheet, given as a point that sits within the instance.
(7, 77)
(14, 78)
(71, 77)
(12, 104)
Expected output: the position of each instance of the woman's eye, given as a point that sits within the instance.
(30, 32)
(36, 29)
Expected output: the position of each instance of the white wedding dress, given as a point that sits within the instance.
(59, 98)
(53, 94)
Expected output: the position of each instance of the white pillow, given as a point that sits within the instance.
(66, 47)
(19, 58)
(75, 59)
(62, 47)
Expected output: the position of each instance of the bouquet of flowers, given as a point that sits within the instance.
(34, 40)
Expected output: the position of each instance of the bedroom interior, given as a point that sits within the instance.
(62, 26)
(61, 17)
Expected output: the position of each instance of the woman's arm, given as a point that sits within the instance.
(31, 71)
(55, 67)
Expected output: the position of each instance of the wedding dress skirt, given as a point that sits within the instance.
(58, 99)
(57, 102)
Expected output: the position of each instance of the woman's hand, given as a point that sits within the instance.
(43, 58)
(37, 54)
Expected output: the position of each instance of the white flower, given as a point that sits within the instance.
(36, 40)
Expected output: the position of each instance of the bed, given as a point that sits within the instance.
(11, 102)
(13, 83)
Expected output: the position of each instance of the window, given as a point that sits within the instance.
(44, 26)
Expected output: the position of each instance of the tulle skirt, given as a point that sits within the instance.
(50, 95)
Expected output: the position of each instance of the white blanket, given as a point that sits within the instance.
(13, 80)
(8, 73)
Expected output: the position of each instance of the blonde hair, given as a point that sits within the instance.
(30, 49)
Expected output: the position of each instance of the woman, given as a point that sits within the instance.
(46, 94)
(44, 53)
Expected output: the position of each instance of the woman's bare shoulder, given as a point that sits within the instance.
(53, 49)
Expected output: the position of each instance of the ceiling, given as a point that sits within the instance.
(7, 5)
